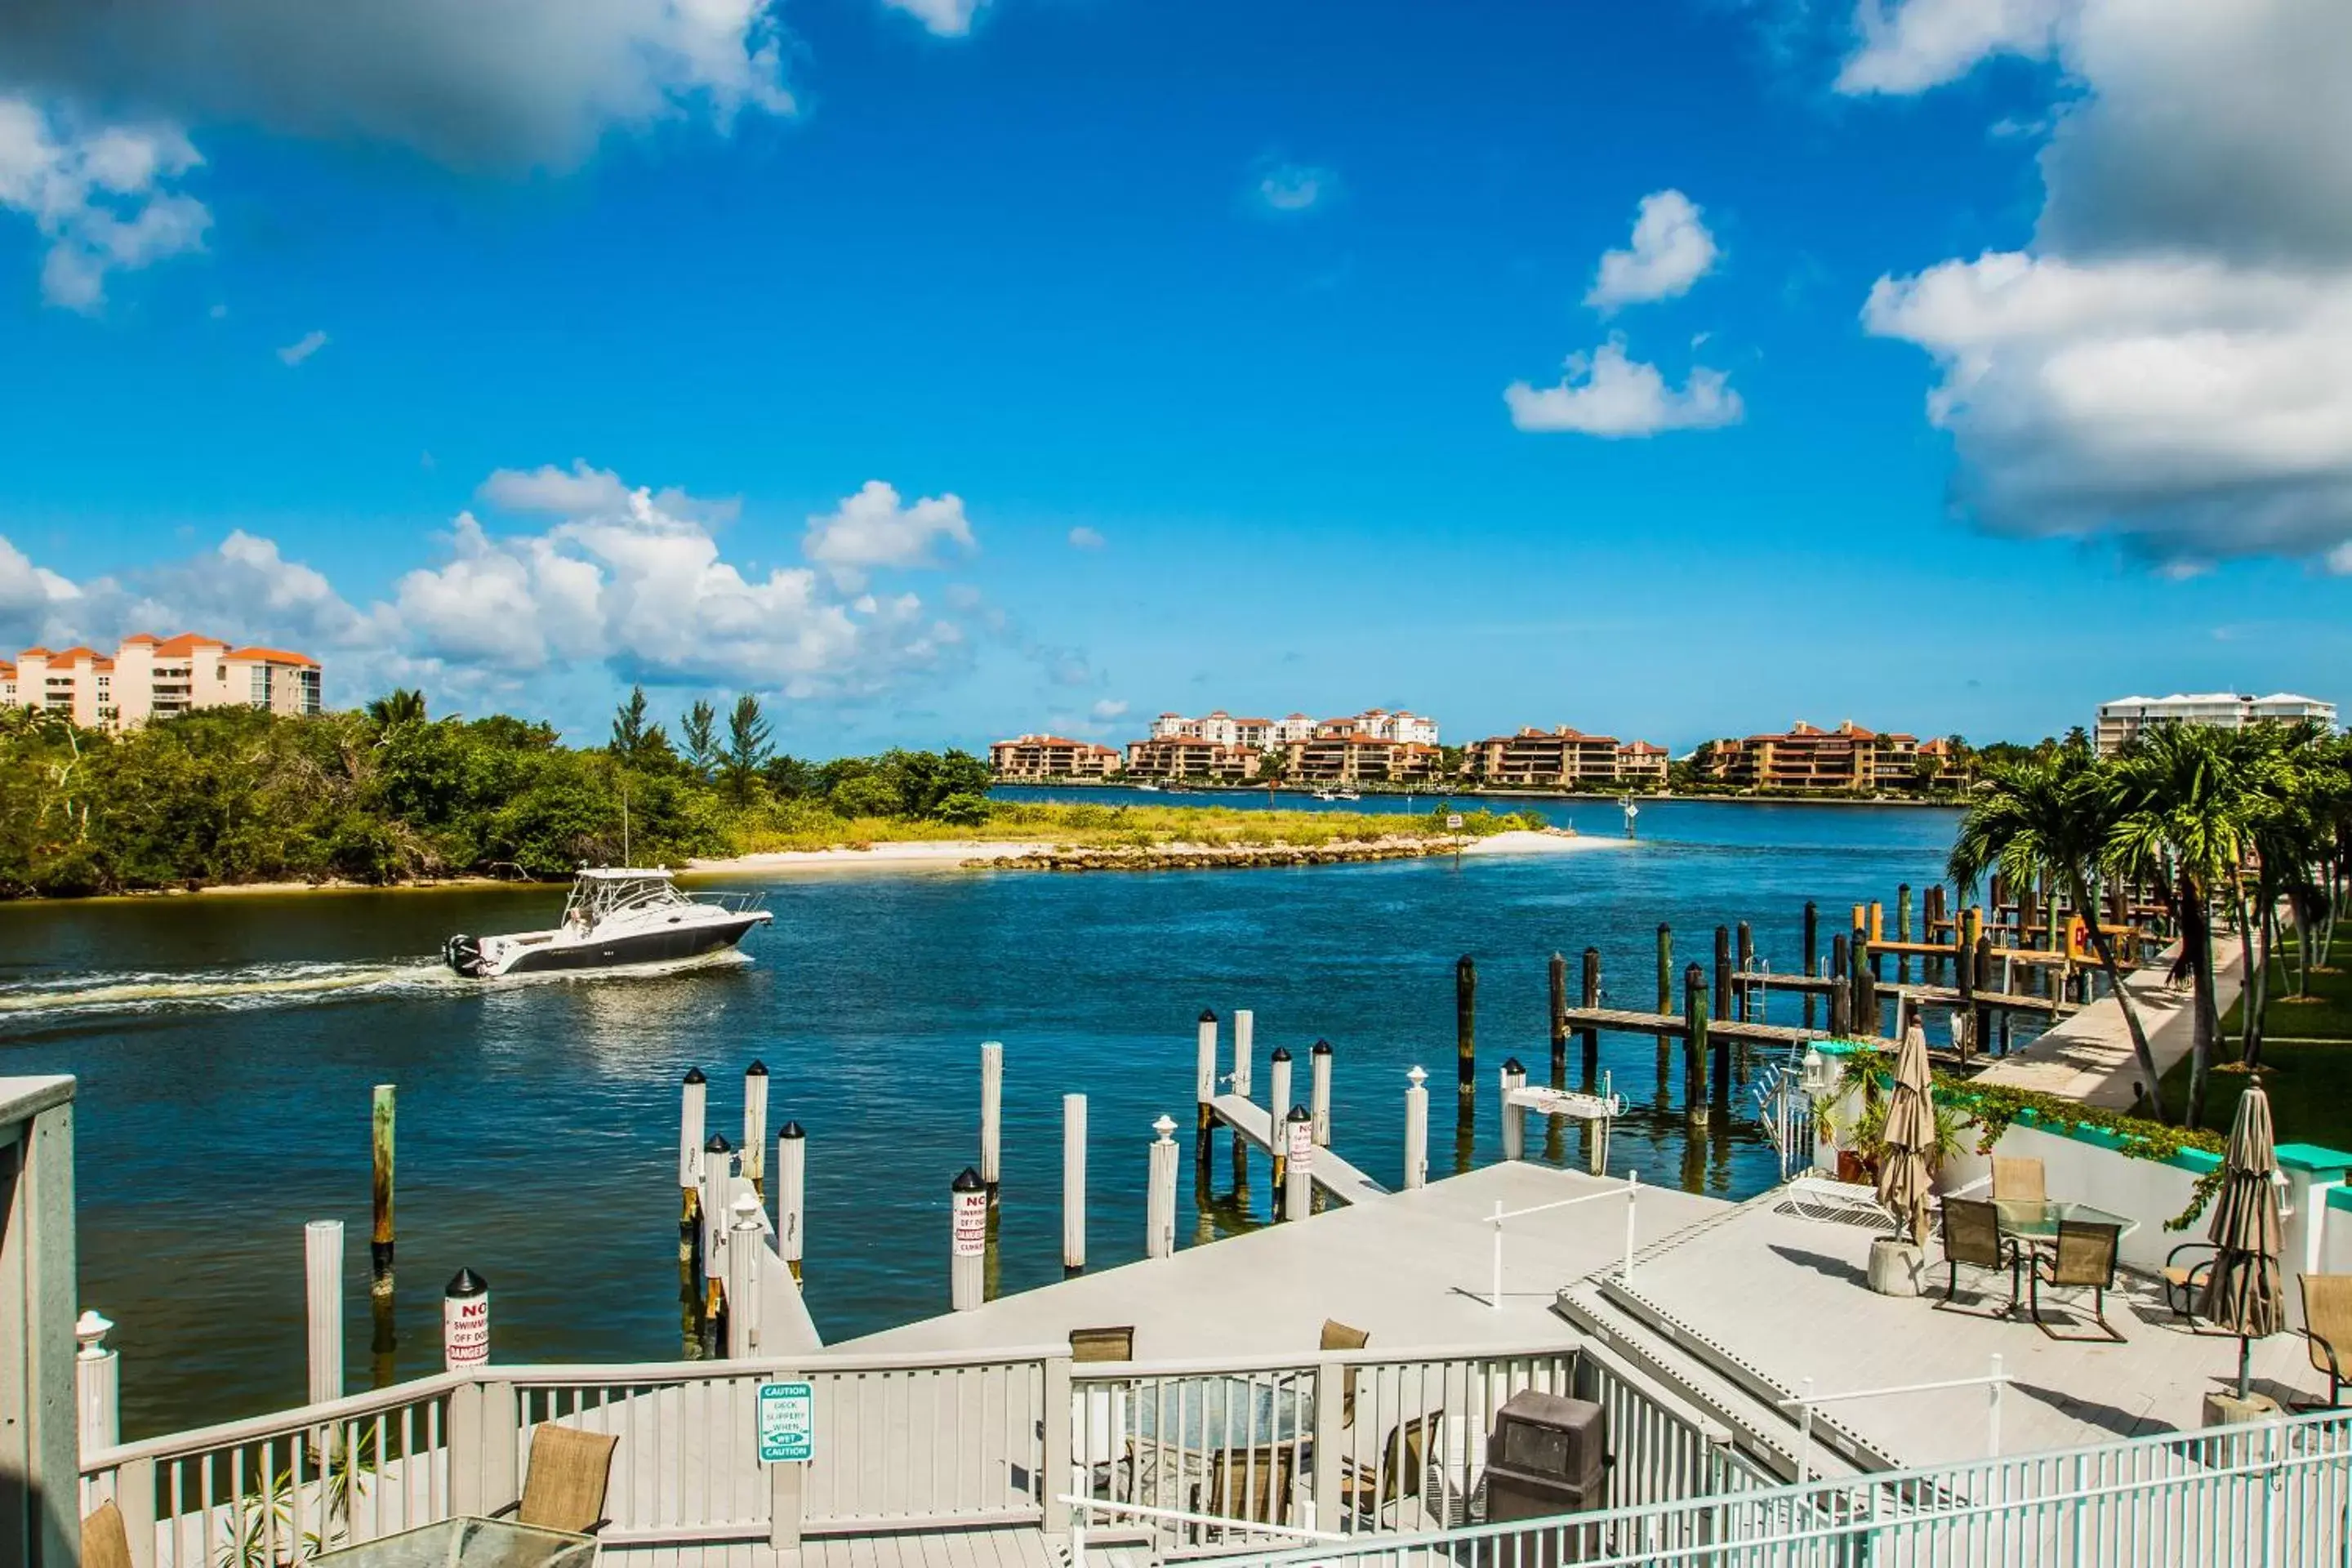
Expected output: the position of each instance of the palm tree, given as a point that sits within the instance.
(2286, 780)
(2186, 799)
(2032, 818)
(405, 705)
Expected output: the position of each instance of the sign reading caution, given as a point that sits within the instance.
(787, 1423)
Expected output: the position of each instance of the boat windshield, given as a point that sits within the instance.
(595, 900)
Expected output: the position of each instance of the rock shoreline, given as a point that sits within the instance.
(1214, 856)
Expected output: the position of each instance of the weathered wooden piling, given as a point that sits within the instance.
(1244, 1050)
(1980, 971)
(1277, 1094)
(1204, 1078)
(992, 1115)
(1877, 935)
(382, 1114)
(967, 1240)
(1720, 1003)
(1159, 1192)
(791, 1193)
(743, 1276)
(1745, 961)
(1558, 974)
(1903, 931)
(1665, 1000)
(1297, 1133)
(1074, 1181)
(1694, 1015)
(689, 1159)
(323, 1279)
(1588, 1039)
(1416, 1131)
(755, 1126)
(1841, 982)
(1812, 950)
(1863, 1001)
(1318, 1091)
(1515, 1117)
(1465, 1026)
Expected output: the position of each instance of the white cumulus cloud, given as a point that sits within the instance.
(2169, 363)
(872, 529)
(1607, 394)
(1671, 250)
(302, 348)
(1084, 538)
(1914, 45)
(36, 604)
(1286, 189)
(102, 197)
(946, 18)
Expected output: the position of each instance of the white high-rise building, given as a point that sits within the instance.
(2125, 717)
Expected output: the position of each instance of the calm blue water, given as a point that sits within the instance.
(227, 1045)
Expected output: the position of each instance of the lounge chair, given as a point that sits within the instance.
(2083, 1259)
(105, 1542)
(1972, 1238)
(2185, 1282)
(564, 1487)
(1103, 1344)
(2328, 1331)
(2019, 1181)
(1339, 1336)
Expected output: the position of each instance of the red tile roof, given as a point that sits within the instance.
(137, 637)
(274, 656)
(35, 653)
(188, 642)
(69, 654)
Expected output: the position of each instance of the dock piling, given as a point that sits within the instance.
(1074, 1183)
(1694, 1015)
(710, 1202)
(967, 1240)
(992, 1115)
(382, 1107)
(1558, 976)
(1465, 1026)
(1297, 1131)
(1416, 1131)
(98, 1383)
(755, 1126)
(1318, 1091)
(1841, 988)
(1515, 1117)
(1745, 961)
(689, 1158)
(1588, 1039)
(466, 1323)
(1813, 953)
(1159, 1192)
(1720, 1003)
(1245, 1050)
(1665, 998)
(1903, 931)
(322, 1277)
(743, 1278)
(1277, 1094)
(1204, 1079)
(791, 1193)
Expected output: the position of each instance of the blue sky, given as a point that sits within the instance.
(1180, 336)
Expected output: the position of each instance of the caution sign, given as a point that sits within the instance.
(787, 1424)
(2078, 940)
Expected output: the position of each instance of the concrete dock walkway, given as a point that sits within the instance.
(2089, 1057)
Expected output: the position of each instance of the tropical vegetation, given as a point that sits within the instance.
(2226, 828)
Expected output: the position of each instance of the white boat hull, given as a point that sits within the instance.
(540, 952)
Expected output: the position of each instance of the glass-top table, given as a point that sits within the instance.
(2037, 1219)
(1216, 1413)
(468, 1543)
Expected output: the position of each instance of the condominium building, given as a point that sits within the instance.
(1353, 757)
(2125, 717)
(1035, 757)
(7, 684)
(150, 677)
(1805, 758)
(1563, 758)
(1226, 730)
(1382, 725)
(1191, 757)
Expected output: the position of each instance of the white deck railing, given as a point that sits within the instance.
(2272, 1495)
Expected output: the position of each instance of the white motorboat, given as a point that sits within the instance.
(616, 916)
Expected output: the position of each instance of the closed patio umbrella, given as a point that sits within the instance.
(2241, 1294)
(1910, 1138)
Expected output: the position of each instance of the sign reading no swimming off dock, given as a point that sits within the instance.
(787, 1423)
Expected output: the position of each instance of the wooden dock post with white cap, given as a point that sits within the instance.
(98, 1384)
(1159, 1192)
(743, 1278)
(1515, 1117)
(755, 1126)
(991, 1114)
(1318, 1091)
(1277, 1084)
(1298, 1186)
(691, 1100)
(1245, 1050)
(791, 1193)
(967, 1240)
(1074, 1183)
(322, 1270)
(1416, 1131)
(1204, 1078)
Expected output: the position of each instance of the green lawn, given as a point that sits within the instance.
(2310, 1086)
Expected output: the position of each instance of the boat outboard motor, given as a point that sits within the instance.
(463, 954)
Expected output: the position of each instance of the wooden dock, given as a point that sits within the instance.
(1329, 1172)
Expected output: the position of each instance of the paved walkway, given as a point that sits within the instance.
(2089, 1057)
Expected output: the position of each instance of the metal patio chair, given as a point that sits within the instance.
(105, 1542)
(2019, 1181)
(1972, 1239)
(564, 1487)
(2083, 1259)
(2328, 1331)
(2185, 1282)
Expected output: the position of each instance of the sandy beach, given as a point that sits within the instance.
(959, 853)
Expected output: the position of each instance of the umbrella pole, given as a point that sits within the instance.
(2245, 1365)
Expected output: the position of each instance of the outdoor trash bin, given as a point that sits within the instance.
(1547, 1455)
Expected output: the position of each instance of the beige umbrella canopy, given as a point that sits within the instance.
(2241, 1293)
(1903, 1180)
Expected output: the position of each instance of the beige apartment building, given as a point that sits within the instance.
(2121, 720)
(1033, 758)
(1803, 757)
(1564, 758)
(1350, 757)
(1191, 757)
(151, 677)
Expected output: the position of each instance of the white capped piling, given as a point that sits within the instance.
(691, 1100)
(755, 1125)
(1245, 1050)
(1416, 1131)
(1319, 1103)
(791, 1193)
(1159, 1192)
(322, 1270)
(98, 1384)
(991, 1114)
(1277, 1094)
(1297, 1131)
(967, 1240)
(466, 1323)
(743, 1278)
(1074, 1181)
(1515, 1117)
(718, 1164)
(1204, 1073)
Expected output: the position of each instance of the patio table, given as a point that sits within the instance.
(1216, 1413)
(468, 1542)
(2036, 1219)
